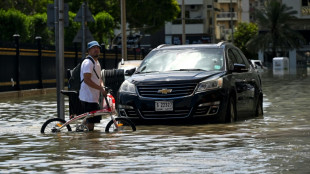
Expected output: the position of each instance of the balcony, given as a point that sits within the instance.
(188, 21)
(226, 1)
(171, 29)
(191, 2)
(226, 31)
(225, 16)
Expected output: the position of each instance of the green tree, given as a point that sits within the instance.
(38, 27)
(276, 31)
(28, 7)
(12, 22)
(244, 32)
(151, 14)
(103, 27)
(26, 18)
(148, 15)
(72, 30)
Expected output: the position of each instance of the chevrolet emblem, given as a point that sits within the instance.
(164, 91)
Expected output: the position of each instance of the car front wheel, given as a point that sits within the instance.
(231, 111)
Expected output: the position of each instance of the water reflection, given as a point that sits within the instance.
(279, 142)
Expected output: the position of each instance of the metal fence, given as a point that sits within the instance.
(24, 66)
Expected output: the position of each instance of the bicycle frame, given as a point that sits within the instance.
(90, 114)
(86, 115)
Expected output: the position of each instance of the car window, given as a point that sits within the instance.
(183, 59)
(238, 56)
(247, 62)
(231, 56)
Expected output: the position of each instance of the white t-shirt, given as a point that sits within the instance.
(89, 94)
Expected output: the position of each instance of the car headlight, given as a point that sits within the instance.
(127, 87)
(210, 84)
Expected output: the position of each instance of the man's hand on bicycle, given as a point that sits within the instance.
(104, 92)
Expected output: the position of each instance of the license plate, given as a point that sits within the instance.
(163, 105)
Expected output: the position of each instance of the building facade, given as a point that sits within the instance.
(207, 21)
(298, 58)
(211, 21)
(196, 28)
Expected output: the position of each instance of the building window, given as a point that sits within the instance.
(305, 2)
(305, 7)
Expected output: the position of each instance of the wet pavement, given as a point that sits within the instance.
(279, 142)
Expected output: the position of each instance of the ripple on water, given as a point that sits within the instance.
(276, 143)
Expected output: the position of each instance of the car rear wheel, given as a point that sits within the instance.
(259, 108)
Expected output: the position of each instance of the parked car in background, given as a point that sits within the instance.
(129, 66)
(211, 81)
(258, 65)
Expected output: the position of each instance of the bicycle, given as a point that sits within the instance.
(116, 124)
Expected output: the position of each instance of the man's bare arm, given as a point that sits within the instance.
(90, 83)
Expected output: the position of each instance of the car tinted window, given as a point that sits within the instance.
(232, 57)
(238, 56)
(207, 59)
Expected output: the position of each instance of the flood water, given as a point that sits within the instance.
(279, 142)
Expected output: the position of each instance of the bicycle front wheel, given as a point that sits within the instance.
(53, 125)
(123, 125)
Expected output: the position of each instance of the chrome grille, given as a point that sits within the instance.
(168, 114)
(177, 90)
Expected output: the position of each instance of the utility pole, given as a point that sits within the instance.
(83, 31)
(183, 23)
(213, 22)
(123, 24)
(59, 46)
(231, 22)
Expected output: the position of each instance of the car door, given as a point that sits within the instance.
(237, 80)
(247, 86)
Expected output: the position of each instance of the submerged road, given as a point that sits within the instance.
(279, 142)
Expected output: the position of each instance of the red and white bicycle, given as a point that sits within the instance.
(116, 124)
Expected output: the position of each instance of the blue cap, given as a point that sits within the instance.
(92, 43)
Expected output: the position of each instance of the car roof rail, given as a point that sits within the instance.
(221, 43)
(162, 45)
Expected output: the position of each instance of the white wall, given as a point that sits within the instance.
(177, 29)
(296, 4)
(245, 13)
(191, 2)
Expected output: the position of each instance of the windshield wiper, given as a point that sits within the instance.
(193, 69)
(141, 72)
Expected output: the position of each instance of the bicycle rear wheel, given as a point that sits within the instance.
(124, 125)
(52, 125)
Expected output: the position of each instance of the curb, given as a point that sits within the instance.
(26, 93)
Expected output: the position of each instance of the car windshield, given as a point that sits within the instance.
(183, 60)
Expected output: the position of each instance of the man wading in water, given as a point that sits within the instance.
(92, 84)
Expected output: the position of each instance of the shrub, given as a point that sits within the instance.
(12, 22)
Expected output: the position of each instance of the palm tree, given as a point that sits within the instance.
(275, 29)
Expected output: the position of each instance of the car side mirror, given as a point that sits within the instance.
(239, 68)
(130, 72)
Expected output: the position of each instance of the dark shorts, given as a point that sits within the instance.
(87, 107)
